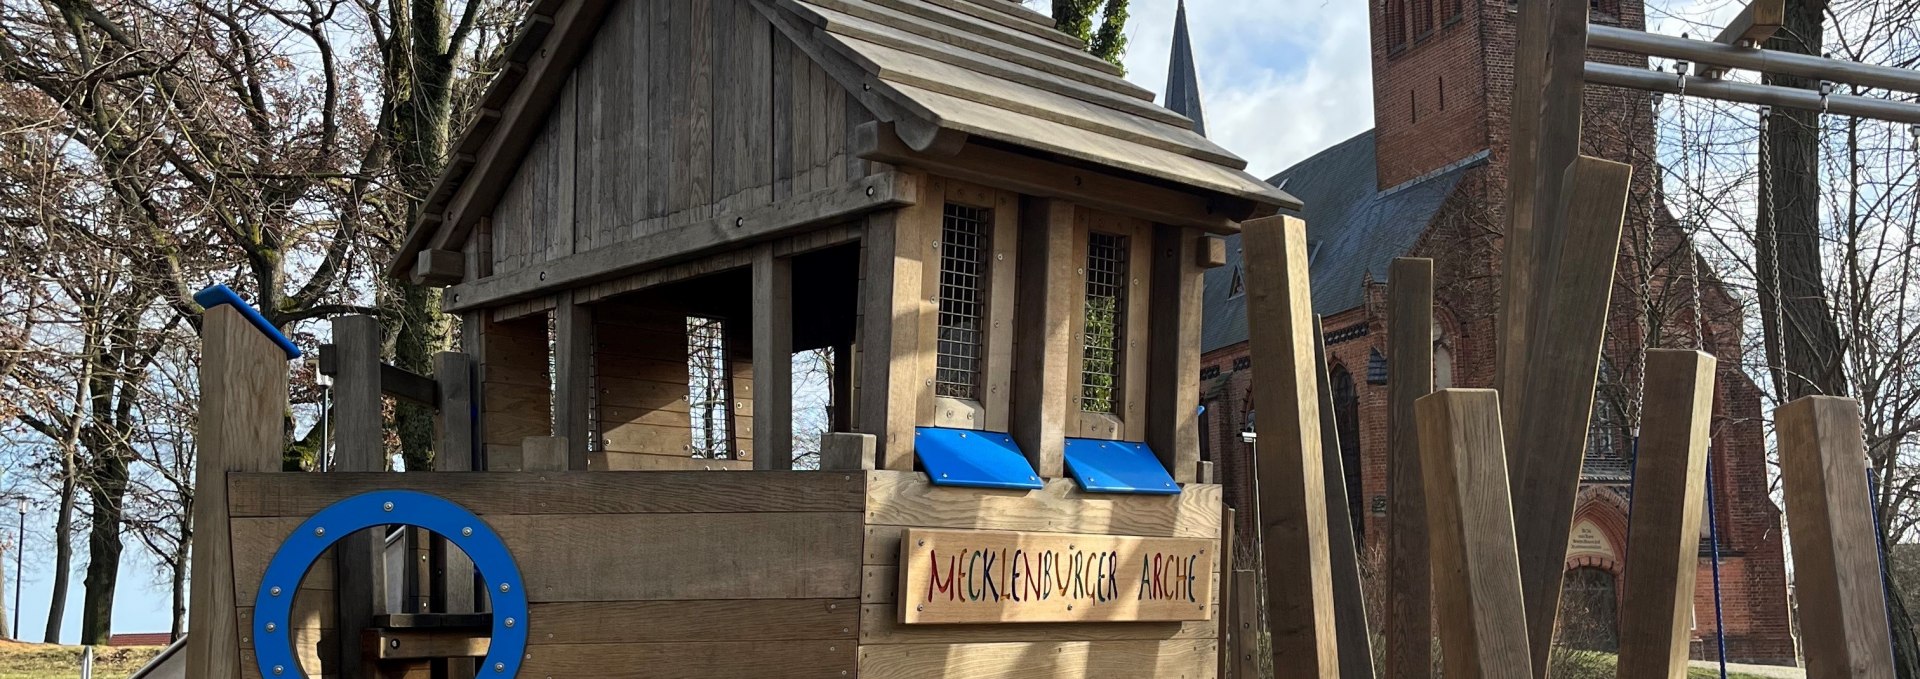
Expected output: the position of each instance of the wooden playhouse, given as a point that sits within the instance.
(998, 240)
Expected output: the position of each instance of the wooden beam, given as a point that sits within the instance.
(1246, 624)
(1224, 597)
(896, 380)
(360, 445)
(401, 383)
(1292, 494)
(1568, 323)
(1843, 607)
(675, 244)
(243, 391)
(1173, 346)
(843, 451)
(440, 268)
(419, 644)
(1482, 627)
(1038, 177)
(572, 377)
(1343, 556)
(1212, 253)
(772, 360)
(1041, 401)
(1409, 378)
(1670, 471)
(1754, 25)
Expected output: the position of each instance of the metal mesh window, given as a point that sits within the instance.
(709, 396)
(1106, 316)
(963, 271)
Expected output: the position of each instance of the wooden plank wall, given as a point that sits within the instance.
(687, 574)
(889, 650)
(680, 111)
(641, 395)
(516, 396)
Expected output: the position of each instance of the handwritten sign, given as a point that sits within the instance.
(964, 576)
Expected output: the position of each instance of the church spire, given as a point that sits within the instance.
(1183, 85)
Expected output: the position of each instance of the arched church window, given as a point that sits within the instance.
(1588, 611)
(1346, 426)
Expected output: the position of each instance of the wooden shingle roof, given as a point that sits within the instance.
(997, 70)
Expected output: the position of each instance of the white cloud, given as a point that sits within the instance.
(1280, 79)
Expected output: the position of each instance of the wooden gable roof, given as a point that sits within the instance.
(941, 71)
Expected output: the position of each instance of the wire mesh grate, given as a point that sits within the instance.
(1106, 315)
(709, 397)
(963, 264)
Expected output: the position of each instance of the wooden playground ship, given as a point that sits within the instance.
(999, 242)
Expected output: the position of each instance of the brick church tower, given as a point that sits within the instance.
(1429, 181)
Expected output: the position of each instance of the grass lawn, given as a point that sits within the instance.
(1595, 665)
(44, 661)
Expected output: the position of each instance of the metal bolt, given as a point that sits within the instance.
(509, 623)
(272, 627)
(388, 507)
(504, 587)
(923, 543)
(277, 670)
(466, 532)
(499, 667)
(393, 643)
(869, 192)
(943, 475)
(319, 532)
(920, 607)
(739, 221)
(275, 591)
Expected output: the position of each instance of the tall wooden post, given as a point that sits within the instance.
(452, 587)
(1843, 609)
(1668, 493)
(1476, 569)
(1045, 351)
(572, 378)
(896, 380)
(1293, 509)
(1343, 555)
(243, 401)
(1173, 423)
(359, 446)
(1409, 378)
(772, 360)
(1554, 401)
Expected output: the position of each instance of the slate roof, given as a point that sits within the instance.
(1353, 229)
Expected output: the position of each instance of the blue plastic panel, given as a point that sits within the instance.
(221, 294)
(974, 459)
(1118, 467)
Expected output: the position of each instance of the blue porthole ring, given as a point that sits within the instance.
(273, 605)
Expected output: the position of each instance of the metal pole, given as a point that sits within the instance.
(1766, 61)
(1766, 95)
(19, 563)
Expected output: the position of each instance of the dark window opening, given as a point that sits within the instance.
(1587, 611)
(1346, 424)
(963, 304)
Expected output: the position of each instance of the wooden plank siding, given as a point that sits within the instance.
(679, 112)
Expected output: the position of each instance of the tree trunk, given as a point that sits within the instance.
(108, 493)
(62, 552)
(421, 121)
(182, 551)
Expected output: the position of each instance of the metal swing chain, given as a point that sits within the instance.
(1765, 158)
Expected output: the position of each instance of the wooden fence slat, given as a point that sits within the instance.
(243, 390)
(1292, 494)
(1835, 552)
(1409, 624)
(1656, 615)
(1224, 595)
(588, 492)
(1482, 628)
(772, 360)
(1246, 624)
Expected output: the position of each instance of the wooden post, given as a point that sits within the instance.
(1292, 492)
(359, 446)
(572, 373)
(1656, 616)
(1222, 616)
(1843, 608)
(1246, 624)
(1476, 568)
(243, 400)
(772, 360)
(1041, 396)
(896, 389)
(1343, 556)
(1409, 378)
(1567, 324)
(1173, 365)
(841, 451)
(452, 587)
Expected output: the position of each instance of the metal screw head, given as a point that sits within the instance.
(869, 192)
(277, 670)
(393, 643)
(388, 507)
(504, 587)
(275, 591)
(466, 532)
(319, 532)
(509, 622)
(272, 627)
(499, 667)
